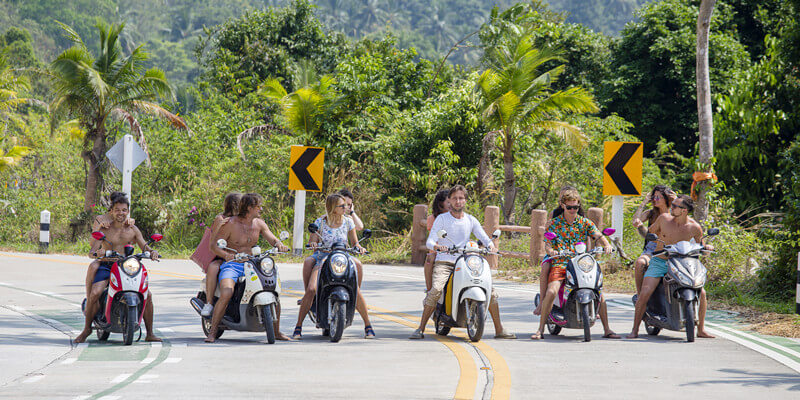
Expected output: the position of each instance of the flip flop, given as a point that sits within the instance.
(612, 335)
(537, 336)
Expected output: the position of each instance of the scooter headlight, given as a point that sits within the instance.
(339, 264)
(267, 265)
(131, 266)
(586, 264)
(475, 265)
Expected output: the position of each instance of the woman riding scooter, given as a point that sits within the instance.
(333, 227)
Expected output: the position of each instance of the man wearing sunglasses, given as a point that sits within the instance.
(570, 228)
(671, 228)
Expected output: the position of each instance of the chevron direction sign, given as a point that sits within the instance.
(622, 168)
(305, 168)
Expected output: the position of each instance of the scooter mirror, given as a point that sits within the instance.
(651, 237)
(550, 236)
(441, 234)
(256, 250)
(713, 232)
(313, 228)
(283, 236)
(222, 243)
(367, 234)
(98, 235)
(496, 234)
(609, 231)
(156, 237)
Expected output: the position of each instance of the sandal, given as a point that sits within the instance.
(369, 333)
(537, 336)
(297, 335)
(505, 335)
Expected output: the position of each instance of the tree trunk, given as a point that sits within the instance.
(704, 106)
(485, 182)
(509, 184)
(92, 159)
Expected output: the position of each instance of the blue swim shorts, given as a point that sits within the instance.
(103, 272)
(657, 268)
(231, 270)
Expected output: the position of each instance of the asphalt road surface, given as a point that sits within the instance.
(40, 298)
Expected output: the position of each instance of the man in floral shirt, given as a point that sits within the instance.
(570, 228)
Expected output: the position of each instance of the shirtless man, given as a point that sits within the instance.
(103, 221)
(242, 233)
(120, 234)
(671, 228)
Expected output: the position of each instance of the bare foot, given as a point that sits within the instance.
(703, 334)
(281, 336)
(537, 336)
(82, 336)
(152, 338)
(632, 336)
(212, 336)
(538, 310)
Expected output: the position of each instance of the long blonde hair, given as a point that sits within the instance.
(330, 204)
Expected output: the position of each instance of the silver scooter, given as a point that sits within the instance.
(674, 303)
(256, 295)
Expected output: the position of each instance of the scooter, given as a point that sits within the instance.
(123, 301)
(337, 288)
(256, 295)
(674, 303)
(465, 299)
(578, 299)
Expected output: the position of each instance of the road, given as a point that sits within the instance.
(40, 299)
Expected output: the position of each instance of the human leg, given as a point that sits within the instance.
(649, 285)
(494, 311)
(308, 265)
(90, 276)
(543, 274)
(607, 332)
(148, 319)
(428, 269)
(277, 323)
(92, 305)
(305, 304)
(441, 273)
(211, 286)
(639, 268)
(701, 317)
(225, 293)
(547, 305)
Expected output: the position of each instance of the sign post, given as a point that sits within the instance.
(622, 176)
(305, 174)
(126, 155)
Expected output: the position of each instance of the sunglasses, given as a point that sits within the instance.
(673, 205)
(341, 206)
(572, 207)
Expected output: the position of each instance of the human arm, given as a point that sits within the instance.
(697, 234)
(270, 237)
(433, 237)
(479, 233)
(353, 237)
(594, 233)
(356, 219)
(219, 221)
(223, 232)
(143, 244)
(639, 225)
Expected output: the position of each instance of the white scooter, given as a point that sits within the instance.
(255, 301)
(465, 299)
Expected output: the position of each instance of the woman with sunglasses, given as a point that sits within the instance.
(334, 227)
(661, 198)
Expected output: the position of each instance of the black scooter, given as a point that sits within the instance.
(337, 289)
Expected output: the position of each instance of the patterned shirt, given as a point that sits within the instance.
(330, 235)
(570, 234)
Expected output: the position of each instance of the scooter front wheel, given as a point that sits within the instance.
(689, 315)
(337, 319)
(266, 320)
(129, 326)
(476, 317)
(587, 324)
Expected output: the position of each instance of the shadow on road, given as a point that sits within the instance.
(747, 378)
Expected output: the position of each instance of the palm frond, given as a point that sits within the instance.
(272, 88)
(300, 110)
(571, 134)
(135, 128)
(161, 112)
(72, 35)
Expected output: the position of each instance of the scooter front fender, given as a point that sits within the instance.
(130, 298)
(688, 294)
(584, 296)
(474, 293)
(264, 298)
(340, 293)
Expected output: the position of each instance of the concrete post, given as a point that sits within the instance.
(596, 215)
(538, 219)
(491, 222)
(418, 234)
(44, 231)
(299, 221)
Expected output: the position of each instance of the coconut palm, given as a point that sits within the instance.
(96, 90)
(517, 99)
(10, 85)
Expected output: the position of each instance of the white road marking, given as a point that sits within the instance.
(17, 308)
(173, 360)
(69, 361)
(34, 378)
(146, 379)
(109, 398)
(166, 330)
(148, 360)
(80, 397)
(35, 294)
(120, 378)
(4, 284)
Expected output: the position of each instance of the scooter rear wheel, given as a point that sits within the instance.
(206, 324)
(102, 335)
(651, 330)
(441, 329)
(553, 328)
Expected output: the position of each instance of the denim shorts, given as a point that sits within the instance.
(319, 257)
(231, 270)
(649, 248)
(657, 268)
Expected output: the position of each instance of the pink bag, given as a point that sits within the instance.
(203, 256)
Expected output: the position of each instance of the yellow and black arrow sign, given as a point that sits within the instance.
(622, 168)
(306, 166)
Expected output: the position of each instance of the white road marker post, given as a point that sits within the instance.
(44, 231)
(299, 221)
(617, 216)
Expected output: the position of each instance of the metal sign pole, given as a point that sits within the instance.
(617, 216)
(299, 221)
(127, 165)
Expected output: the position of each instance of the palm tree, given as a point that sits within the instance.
(10, 85)
(704, 112)
(95, 90)
(518, 100)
